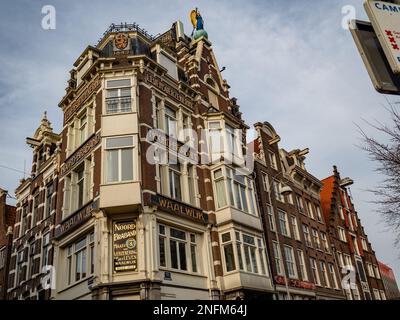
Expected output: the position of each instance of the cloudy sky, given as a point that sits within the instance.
(288, 62)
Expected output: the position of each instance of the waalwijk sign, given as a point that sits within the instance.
(385, 19)
(179, 208)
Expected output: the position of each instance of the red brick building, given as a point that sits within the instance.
(297, 241)
(353, 251)
(7, 218)
(389, 281)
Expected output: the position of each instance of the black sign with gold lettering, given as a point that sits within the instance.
(124, 246)
(76, 219)
(179, 208)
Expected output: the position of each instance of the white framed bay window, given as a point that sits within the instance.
(244, 252)
(119, 159)
(234, 190)
(179, 182)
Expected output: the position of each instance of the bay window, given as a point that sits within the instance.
(119, 159)
(118, 96)
(227, 245)
(215, 140)
(234, 190)
(249, 247)
(179, 182)
(177, 249)
(244, 252)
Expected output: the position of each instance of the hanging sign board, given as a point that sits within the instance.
(385, 19)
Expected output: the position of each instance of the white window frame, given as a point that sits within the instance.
(191, 242)
(71, 253)
(290, 262)
(119, 98)
(295, 227)
(119, 148)
(283, 220)
(302, 265)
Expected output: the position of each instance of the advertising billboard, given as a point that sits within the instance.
(385, 19)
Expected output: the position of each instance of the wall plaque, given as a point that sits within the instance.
(124, 246)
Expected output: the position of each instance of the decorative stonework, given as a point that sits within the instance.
(77, 104)
(152, 79)
(80, 154)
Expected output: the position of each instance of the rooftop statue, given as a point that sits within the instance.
(198, 25)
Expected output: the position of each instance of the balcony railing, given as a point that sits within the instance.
(118, 105)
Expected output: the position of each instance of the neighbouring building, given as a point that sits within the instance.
(353, 251)
(302, 262)
(139, 216)
(32, 253)
(389, 282)
(7, 219)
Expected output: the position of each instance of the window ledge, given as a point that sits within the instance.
(75, 284)
(188, 273)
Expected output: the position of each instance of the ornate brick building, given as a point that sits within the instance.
(32, 253)
(146, 210)
(389, 281)
(302, 261)
(353, 250)
(7, 219)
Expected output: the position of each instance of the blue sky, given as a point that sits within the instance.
(288, 62)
